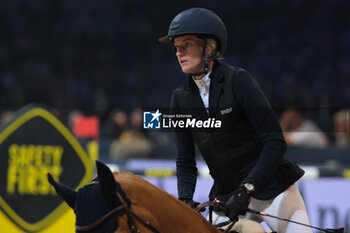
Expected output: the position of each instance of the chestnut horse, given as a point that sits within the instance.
(122, 202)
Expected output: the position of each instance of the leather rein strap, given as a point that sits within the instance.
(217, 204)
(130, 214)
(130, 217)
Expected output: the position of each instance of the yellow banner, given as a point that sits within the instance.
(65, 223)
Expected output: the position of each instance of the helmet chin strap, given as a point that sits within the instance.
(204, 71)
(205, 61)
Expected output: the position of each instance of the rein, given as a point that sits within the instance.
(130, 217)
(220, 206)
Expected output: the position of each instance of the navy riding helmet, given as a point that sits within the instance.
(198, 21)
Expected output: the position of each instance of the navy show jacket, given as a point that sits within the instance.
(248, 147)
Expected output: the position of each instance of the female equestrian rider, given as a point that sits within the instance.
(245, 155)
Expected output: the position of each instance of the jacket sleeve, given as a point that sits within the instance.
(265, 123)
(186, 170)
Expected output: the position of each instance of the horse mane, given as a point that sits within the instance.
(160, 208)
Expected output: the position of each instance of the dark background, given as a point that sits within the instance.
(99, 56)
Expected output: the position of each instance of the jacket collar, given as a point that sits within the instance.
(216, 88)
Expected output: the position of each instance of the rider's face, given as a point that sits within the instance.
(189, 53)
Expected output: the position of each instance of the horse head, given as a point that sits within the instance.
(95, 201)
(115, 202)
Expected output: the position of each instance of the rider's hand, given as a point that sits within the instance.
(237, 204)
(191, 203)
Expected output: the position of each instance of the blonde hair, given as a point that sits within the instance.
(212, 48)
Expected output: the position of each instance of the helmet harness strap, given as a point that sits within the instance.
(205, 60)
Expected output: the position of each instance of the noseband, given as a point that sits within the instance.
(130, 217)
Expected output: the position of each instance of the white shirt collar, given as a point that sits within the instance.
(203, 83)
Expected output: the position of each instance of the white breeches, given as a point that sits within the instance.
(289, 205)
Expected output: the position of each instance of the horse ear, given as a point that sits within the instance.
(66, 193)
(107, 182)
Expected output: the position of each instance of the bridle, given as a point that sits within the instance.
(130, 217)
(215, 203)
